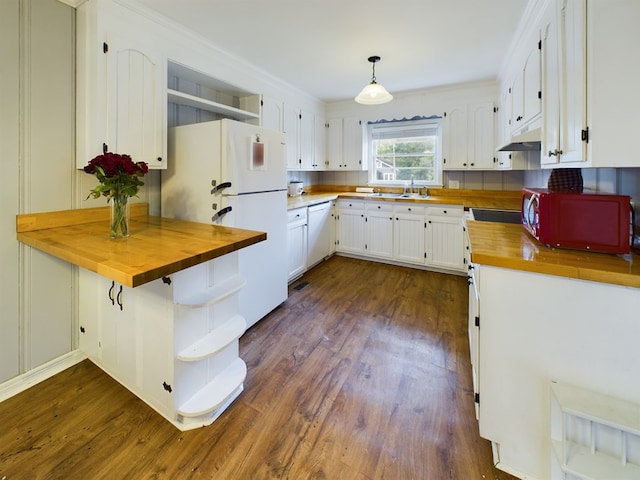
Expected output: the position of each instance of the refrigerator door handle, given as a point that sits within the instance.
(220, 213)
(217, 188)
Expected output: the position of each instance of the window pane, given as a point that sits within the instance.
(402, 150)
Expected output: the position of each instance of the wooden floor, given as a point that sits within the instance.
(362, 374)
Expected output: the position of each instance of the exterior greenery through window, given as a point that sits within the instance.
(402, 149)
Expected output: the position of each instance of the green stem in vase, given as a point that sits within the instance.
(119, 215)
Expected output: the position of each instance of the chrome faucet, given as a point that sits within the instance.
(411, 185)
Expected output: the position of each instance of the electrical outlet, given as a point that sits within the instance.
(454, 184)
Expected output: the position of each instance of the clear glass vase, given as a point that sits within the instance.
(119, 215)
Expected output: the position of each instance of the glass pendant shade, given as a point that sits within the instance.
(373, 94)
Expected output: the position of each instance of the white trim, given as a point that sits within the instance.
(73, 3)
(43, 372)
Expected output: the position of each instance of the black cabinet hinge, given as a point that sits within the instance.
(167, 387)
(477, 321)
(105, 47)
(539, 44)
(585, 135)
(81, 329)
(540, 94)
(476, 398)
(166, 280)
(495, 109)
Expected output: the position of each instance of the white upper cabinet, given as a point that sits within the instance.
(305, 139)
(590, 95)
(468, 138)
(345, 144)
(272, 113)
(121, 89)
(526, 91)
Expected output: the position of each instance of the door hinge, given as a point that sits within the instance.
(81, 329)
(167, 387)
(166, 280)
(495, 109)
(540, 94)
(425, 254)
(105, 47)
(539, 44)
(477, 321)
(585, 135)
(476, 398)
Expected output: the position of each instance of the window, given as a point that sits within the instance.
(402, 149)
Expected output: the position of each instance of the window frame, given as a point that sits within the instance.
(433, 122)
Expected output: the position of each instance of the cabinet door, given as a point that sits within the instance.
(531, 78)
(353, 147)
(379, 230)
(136, 116)
(319, 233)
(291, 126)
(445, 240)
(572, 28)
(320, 143)
(334, 143)
(550, 87)
(272, 113)
(454, 138)
(297, 242)
(307, 149)
(408, 234)
(481, 146)
(350, 227)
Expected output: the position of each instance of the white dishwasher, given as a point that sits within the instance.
(318, 233)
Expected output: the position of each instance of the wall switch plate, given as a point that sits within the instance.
(454, 183)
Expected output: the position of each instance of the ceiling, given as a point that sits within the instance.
(321, 46)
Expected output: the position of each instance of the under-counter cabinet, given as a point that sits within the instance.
(121, 88)
(173, 341)
(379, 229)
(445, 237)
(297, 242)
(350, 229)
(409, 233)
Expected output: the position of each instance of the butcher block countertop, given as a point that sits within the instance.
(156, 246)
(510, 246)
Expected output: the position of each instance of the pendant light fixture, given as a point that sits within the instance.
(374, 93)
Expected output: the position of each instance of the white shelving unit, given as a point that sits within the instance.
(593, 436)
(188, 87)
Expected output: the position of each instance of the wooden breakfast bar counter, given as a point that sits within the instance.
(158, 310)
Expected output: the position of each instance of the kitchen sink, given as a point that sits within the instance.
(398, 195)
(493, 215)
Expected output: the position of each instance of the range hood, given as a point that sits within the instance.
(527, 138)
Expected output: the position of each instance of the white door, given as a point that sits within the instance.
(253, 158)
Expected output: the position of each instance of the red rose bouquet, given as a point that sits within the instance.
(120, 178)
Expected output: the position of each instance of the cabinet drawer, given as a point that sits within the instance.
(351, 205)
(446, 211)
(409, 208)
(299, 214)
(379, 207)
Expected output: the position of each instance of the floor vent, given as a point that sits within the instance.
(300, 286)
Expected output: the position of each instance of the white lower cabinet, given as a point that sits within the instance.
(379, 229)
(297, 242)
(409, 234)
(173, 341)
(350, 233)
(445, 237)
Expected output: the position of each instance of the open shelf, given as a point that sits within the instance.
(216, 392)
(213, 294)
(180, 98)
(593, 465)
(594, 436)
(215, 340)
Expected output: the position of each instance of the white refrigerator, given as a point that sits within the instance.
(234, 174)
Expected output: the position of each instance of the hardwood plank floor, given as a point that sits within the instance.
(362, 374)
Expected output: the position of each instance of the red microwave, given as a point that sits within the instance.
(584, 221)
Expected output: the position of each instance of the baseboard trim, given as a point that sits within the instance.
(22, 382)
